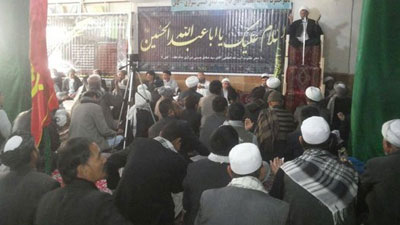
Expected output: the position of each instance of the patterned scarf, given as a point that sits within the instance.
(248, 182)
(333, 183)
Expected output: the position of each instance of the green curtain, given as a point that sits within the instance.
(15, 79)
(376, 91)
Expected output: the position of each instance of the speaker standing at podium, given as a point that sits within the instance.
(304, 29)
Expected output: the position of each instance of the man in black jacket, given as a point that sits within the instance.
(210, 172)
(153, 172)
(79, 202)
(304, 29)
(22, 188)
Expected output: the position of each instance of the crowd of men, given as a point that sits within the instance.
(195, 155)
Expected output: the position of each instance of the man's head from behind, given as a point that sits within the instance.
(94, 82)
(313, 95)
(167, 108)
(174, 133)
(80, 158)
(215, 87)
(219, 104)
(223, 139)
(19, 150)
(236, 111)
(391, 136)
(315, 133)
(245, 160)
(275, 99)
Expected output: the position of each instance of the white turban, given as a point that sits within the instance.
(191, 81)
(273, 83)
(315, 130)
(12, 143)
(245, 158)
(225, 80)
(61, 116)
(314, 94)
(304, 8)
(391, 132)
(264, 75)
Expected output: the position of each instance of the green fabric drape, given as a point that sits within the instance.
(376, 91)
(15, 79)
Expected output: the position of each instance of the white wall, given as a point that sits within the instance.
(340, 21)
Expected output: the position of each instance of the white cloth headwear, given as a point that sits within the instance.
(12, 143)
(61, 116)
(339, 85)
(191, 81)
(225, 80)
(264, 75)
(304, 8)
(273, 82)
(245, 158)
(391, 132)
(314, 94)
(315, 130)
(328, 78)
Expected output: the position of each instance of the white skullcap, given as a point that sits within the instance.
(391, 132)
(142, 87)
(12, 143)
(245, 158)
(315, 130)
(141, 96)
(304, 8)
(264, 75)
(273, 82)
(191, 81)
(61, 116)
(225, 80)
(328, 78)
(339, 85)
(314, 94)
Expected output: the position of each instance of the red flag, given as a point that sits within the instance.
(44, 99)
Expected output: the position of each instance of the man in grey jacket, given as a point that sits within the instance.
(244, 201)
(88, 121)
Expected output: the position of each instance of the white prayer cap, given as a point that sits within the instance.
(328, 78)
(339, 85)
(12, 143)
(273, 82)
(391, 132)
(304, 8)
(141, 96)
(225, 80)
(314, 94)
(264, 75)
(142, 87)
(245, 158)
(315, 130)
(61, 116)
(192, 81)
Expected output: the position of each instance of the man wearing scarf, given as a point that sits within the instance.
(318, 186)
(210, 172)
(244, 200)
(139, 114)
(380, 185)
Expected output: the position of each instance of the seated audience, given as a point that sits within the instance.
(319, 188)
(205, 103)
(264, 77)
(120, 83)
(191, 82)
(154, 170)
(79, 202)
(190, 141)
(215, 120)
(273, 126)
(379, 194)
(210, 172)
(22, 188)
(71, 84)
(190, 113)
(88, 121)
(315, 99)
(153, 82)
(203, 85)
(5, 124)
(168, 82)
(236, 116)
(245, 200)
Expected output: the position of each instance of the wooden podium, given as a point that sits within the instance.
(298, 76)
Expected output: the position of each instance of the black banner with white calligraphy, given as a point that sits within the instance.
(228, 41)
